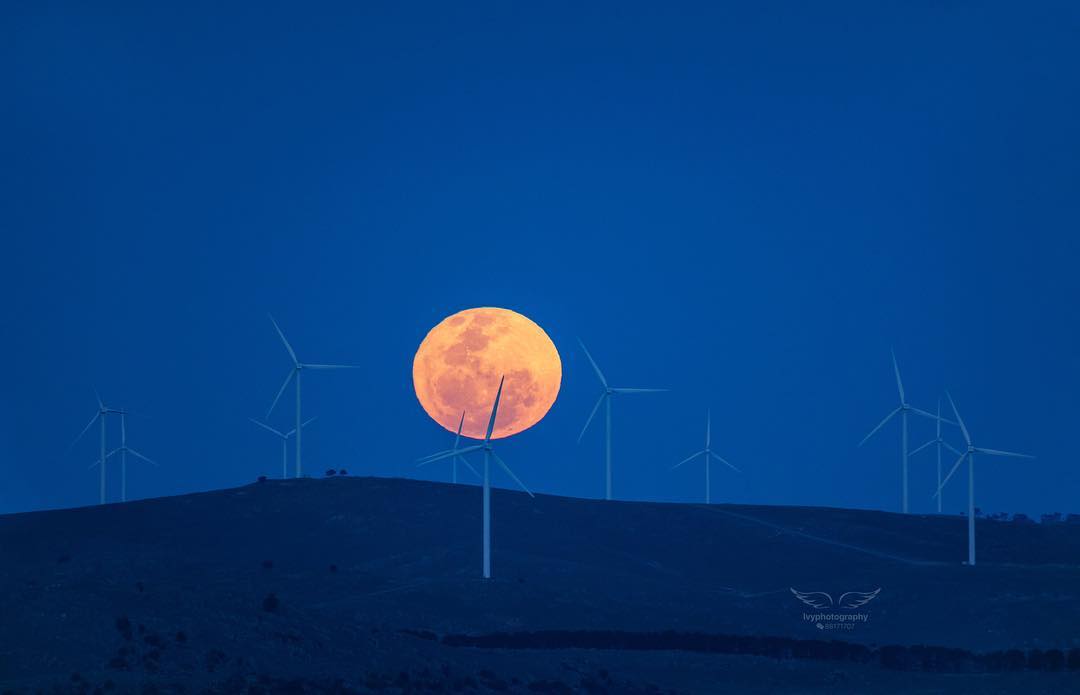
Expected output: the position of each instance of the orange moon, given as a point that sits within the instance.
(458, 366)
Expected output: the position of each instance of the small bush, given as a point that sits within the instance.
(330, 472)
(262, 478)
(343, 472)
(271, 604)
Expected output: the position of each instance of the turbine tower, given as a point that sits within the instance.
(605, 399)
(298, 366)
(707, 453)
(489, 454)
(940, 441)
(124, 450)
(970, 456)
(903, 409)
(284, 442)
(99, 417)
(456, 454)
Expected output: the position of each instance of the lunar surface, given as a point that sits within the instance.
(458, 366)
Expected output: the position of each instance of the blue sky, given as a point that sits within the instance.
(749, 204)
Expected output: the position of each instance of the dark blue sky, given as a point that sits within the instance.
(747, 204)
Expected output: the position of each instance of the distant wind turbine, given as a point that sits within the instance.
(489, 454)
(707, 453)
(124, 450)
(970, 456)
(903, 409)
(456, 454)
(605, 399)
(99, 417)
(940, 441)
(284, 436)
(298, 366)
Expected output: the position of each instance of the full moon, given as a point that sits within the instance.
(458, 366)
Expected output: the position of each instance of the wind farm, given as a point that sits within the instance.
(629, 349)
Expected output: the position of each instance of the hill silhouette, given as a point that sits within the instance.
(357, 584)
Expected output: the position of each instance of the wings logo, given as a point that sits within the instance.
(848, 599)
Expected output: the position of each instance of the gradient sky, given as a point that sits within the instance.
(749, 204)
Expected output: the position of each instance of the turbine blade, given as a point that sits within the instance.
(624, 390)
(268, 428)
(117, 450)
(708, 428)
(918, 449)
(494, 410)
(899, 383)
(331, 366)
(140, 456)
(951, 471)
(84, 431)
(123, 428)
(284, 385)
(447, 454)
(101, 403)
(511, 473)
(424, 459)
(880, 425)
(592, 415)
(998, 452)
(461, 423)
(688, 459)
(470, 467)
(282, 335)
(599, 374)
(307, 422)
(723, 461)
(959, 420)
(96, 462)
(951, 448)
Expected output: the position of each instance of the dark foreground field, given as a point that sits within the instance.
(362, 584)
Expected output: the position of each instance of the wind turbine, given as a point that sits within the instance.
(284, 442)
(605, 399)
(124, 450)
(298, 366)
(707, 453)
(489, 454)
(99, 417)
(455, 451)
(970, 456)
(903, 409)
(940, 441)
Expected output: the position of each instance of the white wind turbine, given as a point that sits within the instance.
(124, 450)
(298, 366)
(605, 399)
(970, 456)
(456, 453)
(940, 441)
(707, 453)
(903, 409)
(99, 417)
(488, 455)
(284, 436)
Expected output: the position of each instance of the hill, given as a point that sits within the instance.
(366, 583)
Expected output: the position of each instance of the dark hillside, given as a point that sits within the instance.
(301, 577)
